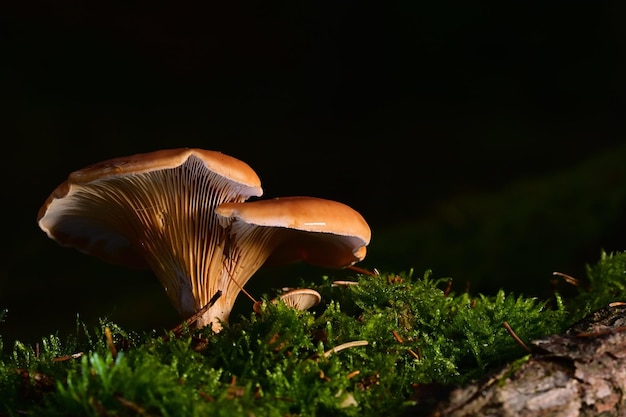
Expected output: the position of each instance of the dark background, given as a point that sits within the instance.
(391, 107)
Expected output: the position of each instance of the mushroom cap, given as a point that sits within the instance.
(297, 298)
(84, 211)
(300, 298)
(227, 166)
(318, 231)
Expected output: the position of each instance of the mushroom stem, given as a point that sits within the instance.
(248, 251)
(215, 316)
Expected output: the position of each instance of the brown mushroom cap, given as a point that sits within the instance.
(154, 210)
(321, 232)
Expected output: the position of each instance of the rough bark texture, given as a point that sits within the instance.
(579, 373)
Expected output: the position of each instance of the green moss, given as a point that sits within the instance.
(410, 331)
(361, 351)
(606, 283)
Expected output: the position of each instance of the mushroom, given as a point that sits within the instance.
(297, 298)
(286, 230)
(300, 298)
(155, 210)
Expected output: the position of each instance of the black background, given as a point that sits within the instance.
(390, 107)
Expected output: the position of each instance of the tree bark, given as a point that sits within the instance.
(579, 373)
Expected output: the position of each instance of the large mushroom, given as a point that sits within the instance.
(285, 230)
(155, 210)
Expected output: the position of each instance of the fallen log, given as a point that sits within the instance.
(581, 372)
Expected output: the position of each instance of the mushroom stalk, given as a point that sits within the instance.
(248, 249)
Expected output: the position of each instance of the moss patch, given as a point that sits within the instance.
(366, 349)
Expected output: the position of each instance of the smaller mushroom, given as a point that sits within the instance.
(285, 230)
(297, 298)
(300, 298)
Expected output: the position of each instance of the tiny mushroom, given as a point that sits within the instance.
(286, 230)
(300, 298)
(155, 210)
(297, 298)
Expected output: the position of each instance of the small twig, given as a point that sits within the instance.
(569, 279)
(602, 332)
(213, 300)
(234, 390)
(247, 294)
(195, 316)
(341, 283)
(67, 357)
(135, 408)
(516, 337)
(345, 346)
(417, 355)
(109, 337)
(353, 374)
(206, 397)
(446, 292)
